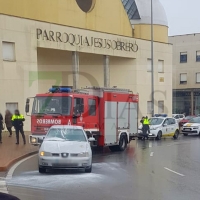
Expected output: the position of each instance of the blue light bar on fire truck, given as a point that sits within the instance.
(60, 89)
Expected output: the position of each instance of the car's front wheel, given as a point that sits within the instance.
(89, 169)
(159, 135)
(185, 134)
(42, 170)
(176, 134)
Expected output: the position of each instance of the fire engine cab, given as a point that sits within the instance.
(109, 115)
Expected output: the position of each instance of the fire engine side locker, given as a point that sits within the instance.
(133, 127)
(116, 119)
(110, 122)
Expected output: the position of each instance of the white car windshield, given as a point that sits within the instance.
(195, 120)
(66, 134)
(156, 121)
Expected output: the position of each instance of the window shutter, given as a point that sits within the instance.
(8, 49)
(160, 66)
(183, 77)
(198, 78)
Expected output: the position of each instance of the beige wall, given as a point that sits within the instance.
(103, 18)
(189, 44)
(163, 90)
(143, 31)
(37, 68)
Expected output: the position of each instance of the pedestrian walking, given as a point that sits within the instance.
(17, 121)
(1, 127)
(8, 122)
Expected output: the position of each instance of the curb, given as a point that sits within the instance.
(7, 167)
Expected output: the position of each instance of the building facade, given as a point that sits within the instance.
(186, 73)
(102, 43)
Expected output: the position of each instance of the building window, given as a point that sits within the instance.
(148, 65)
(198, 77)
(12, 107)
(183, 57)
(92, 107)
(183, 78)
(160, 107)
(160, 66)
(149, 107)
(198, 56)
(8, 49)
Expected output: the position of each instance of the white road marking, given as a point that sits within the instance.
(13, 168)
(151, 154)
(174, 171)
(150, 144)
(3, 187)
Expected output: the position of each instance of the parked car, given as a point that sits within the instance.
(65, 147)
(178, 117)
(185, 120)
(192, 127)
(161, 127)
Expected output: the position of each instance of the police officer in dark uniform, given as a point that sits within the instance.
(1, 127)
(145, 127)
(17, 121)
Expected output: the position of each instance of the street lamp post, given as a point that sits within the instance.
(152, 62)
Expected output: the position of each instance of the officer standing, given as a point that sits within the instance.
(145, 127)
(1, 127)
(17, 121)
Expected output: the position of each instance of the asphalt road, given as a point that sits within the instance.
(148, 170)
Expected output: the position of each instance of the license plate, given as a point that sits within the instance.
(186, 129)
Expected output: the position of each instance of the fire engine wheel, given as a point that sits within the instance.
(122, 143)
(42, 170)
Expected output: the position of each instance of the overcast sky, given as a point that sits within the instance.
(183, 16)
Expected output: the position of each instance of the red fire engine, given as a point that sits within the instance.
(110, 115)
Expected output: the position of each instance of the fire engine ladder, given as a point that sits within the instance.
(114, 89)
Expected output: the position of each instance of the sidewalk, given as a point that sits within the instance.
(11, 153)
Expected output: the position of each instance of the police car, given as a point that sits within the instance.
(161, 127)
(192, 127)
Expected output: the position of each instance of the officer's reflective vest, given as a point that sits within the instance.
(146, 121)
(20, 117)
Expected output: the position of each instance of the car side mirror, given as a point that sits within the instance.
(91, 139)
(164, 125)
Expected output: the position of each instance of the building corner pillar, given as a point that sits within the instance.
(106, 71)
(192, 102)
(75, 69)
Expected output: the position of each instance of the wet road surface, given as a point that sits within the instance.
(148, 170)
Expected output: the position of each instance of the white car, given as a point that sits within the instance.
(161, 127)
(192, 127)
(178, 117)
(65, 147)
